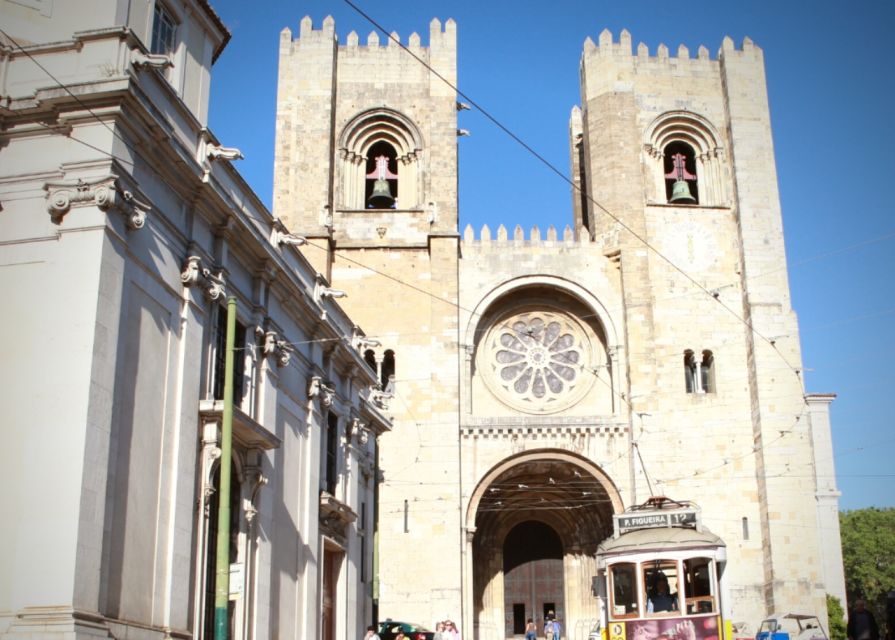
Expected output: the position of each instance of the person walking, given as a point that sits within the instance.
(861, 623)
(548, 626)
(531, 631)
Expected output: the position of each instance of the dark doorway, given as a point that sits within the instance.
(518, 618)
(533, 575)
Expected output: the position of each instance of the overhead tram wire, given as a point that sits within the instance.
(571, 183)
(397, 280)
(546, 162)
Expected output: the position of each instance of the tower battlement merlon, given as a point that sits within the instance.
(607, 46)
(394, 40)
(443, 57)
(306, 28)
(503, 238)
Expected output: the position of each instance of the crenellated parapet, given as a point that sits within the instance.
(503, 239)
(442, 47)
(607, 46)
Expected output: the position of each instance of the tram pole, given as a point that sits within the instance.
(222, 565)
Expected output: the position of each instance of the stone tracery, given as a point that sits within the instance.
(535, 358)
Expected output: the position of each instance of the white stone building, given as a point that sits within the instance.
(124, 228)
(545, 381)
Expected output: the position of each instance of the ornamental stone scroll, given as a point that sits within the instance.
(318, 388)
(105, 193)
(277, 347)
(194, 274)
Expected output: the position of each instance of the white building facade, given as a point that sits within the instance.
(124, 230)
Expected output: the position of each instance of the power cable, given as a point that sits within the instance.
(570, 182)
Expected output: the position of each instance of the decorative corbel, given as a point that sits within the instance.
(281, 237)
(134, 210)
(211, 452)
(194, 274)
(380, 398)
(361, 342)
(217, 152)
(363, 435)
(151, 60)
(214, 152)
(322, 291)
(326, 217)
(352, 426)
(280, 349)
(104, 192)
(250, 509)
(319, 389)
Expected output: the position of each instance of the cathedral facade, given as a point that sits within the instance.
(541, 382)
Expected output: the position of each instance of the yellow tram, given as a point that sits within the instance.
(662, 576)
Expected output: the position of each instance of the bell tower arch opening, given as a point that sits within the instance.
(537, 519)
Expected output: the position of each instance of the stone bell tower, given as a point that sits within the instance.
(366, 170)
(675, 156)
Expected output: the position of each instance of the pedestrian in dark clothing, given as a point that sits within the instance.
(861, 624)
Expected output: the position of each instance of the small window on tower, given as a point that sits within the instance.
(382, 177)
(387, 371)
(707, 372)
(690, 372)
(163, 29)
(699, 373)
(370, 359)
(680, 174)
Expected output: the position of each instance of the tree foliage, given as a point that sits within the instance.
(835, 618)
(868, 555)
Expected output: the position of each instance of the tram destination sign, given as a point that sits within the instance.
(625, 522)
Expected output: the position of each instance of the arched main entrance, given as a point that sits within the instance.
(537, 519)
(532, 575)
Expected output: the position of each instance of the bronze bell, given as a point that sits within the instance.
(382, 197)
(680, 192)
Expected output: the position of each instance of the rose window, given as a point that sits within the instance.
(535, 360)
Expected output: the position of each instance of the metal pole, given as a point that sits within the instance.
(222, 568)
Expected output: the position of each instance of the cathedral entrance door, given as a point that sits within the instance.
(533, 576)
(537, 517)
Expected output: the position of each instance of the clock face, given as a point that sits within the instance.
(692, 245)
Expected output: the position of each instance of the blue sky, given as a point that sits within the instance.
(831, 82)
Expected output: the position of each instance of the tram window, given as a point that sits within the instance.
(698, 585)
(624, 589)
(660, 578)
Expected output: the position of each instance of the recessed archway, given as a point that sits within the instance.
(559, 504)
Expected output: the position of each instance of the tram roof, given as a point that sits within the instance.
(660, 539)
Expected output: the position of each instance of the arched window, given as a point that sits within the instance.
(381, 190)
(681, 186)
(707, 372)
(387, 371)
(699, 373)
(685, 164)
(690, 377)
(370, 359)
(384, 146)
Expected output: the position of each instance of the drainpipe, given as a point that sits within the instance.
(222, 565)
